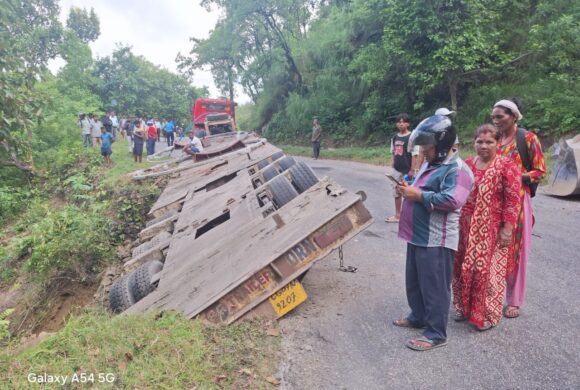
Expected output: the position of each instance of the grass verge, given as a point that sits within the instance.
(148, 352)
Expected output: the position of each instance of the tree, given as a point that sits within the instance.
(85, 24)
(30, 34)
(441, 41)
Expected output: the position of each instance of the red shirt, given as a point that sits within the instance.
(151, 132)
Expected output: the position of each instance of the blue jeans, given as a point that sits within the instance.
(170, 137)
(428, 280)
(150, 147)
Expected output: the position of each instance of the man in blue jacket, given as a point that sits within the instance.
(430, 225)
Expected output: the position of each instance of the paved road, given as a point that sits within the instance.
(341, 338)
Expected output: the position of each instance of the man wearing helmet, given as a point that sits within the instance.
(429, 223)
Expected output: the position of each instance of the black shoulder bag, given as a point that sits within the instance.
(525, 156)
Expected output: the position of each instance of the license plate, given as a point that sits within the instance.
(288, 297)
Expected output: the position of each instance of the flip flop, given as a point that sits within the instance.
(405, 323)
(392, 219)
(432, 344)
(514, 310)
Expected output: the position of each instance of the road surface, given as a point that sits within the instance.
(342, 337)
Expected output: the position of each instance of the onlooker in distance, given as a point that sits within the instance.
(115, 124)
(525, 149)
(85, 126)
(107, 147)
(95, 128)
(195, 145)
(139, 135)
(316, 135)
(151, 138)
(108, 123)
(158, 127)
(486, 243)
(129, 126)
(169, 130)
(401, 159)
(429, 224)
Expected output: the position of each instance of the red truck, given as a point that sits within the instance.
(205, 107)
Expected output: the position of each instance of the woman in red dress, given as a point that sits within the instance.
(486, 226)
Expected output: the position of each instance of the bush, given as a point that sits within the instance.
(69, 240)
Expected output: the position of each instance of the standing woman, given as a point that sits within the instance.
(138, 140)
(486, 245)
(505, 116)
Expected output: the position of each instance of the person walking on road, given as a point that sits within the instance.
(486, 252)
(316, 135)
(402, 160)
(429, 224)
(525, 149)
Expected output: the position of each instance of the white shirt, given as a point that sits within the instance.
(197, 143)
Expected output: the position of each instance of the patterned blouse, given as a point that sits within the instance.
(536, 156)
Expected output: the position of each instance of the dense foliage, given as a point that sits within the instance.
(357, 63)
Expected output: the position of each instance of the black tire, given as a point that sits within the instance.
(286, 162)
(277, 155)
(270, 173)
(142, 279)
(263, 163)
(281, 190)
(121, 295)
(303, 177)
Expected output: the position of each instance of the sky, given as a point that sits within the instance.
(155, 29)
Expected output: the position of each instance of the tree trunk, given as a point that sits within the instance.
(453, 80)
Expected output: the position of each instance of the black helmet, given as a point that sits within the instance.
(435, 130)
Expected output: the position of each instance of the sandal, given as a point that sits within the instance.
(511, 312)
(486, 326)
(406, 323)
(392, 219)
(458, 317)
(412, 343)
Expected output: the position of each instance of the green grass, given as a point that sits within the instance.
(149, 352)
(122, 162)
(371, 155)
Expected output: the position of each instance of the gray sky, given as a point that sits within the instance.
(155, 29)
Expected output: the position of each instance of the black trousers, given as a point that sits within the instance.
(428, 280)
(315, 149)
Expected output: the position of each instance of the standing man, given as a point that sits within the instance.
(108, 123)
(402, 160)
(169, 129)
(316, 135)
(85, 126)
(430, 225)
(115, 122)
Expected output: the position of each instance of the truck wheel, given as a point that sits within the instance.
(281, 190)
(302, 176)
(263, 163)
(270, 173)
(142, 279)
(121, 295)
(286, 162)
(277, 155)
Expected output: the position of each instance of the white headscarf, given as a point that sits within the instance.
(512, 106)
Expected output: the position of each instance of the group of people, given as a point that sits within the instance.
(101, 132)
(467, 224)
(138, 131)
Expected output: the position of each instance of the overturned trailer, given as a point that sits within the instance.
(565, 177)
(232, 234)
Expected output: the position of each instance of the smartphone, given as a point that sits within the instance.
(392, 178)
